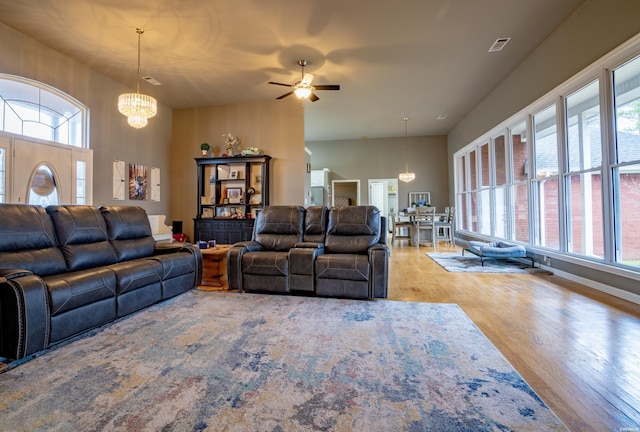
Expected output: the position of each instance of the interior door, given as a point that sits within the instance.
(28, 157)
(378, 196)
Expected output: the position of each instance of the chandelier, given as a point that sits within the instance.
(136, 106)
(406, 176)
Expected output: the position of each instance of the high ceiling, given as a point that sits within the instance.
(404, 58)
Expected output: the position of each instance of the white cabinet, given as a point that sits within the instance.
(320, 178)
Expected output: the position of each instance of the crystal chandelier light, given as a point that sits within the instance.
(406, 176)
(136, 106)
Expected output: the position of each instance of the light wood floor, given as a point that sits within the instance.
(577, 347)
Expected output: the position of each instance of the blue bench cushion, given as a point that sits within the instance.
(497, 249)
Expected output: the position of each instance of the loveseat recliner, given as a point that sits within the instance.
(67, 269)
(338, 252)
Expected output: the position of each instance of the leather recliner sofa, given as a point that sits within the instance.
(67, 269)
(338, 252)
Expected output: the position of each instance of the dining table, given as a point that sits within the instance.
(412, 215)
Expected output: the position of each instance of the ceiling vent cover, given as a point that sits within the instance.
(499, 44)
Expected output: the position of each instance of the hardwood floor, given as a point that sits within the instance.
(577, 347)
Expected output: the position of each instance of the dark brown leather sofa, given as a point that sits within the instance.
(338, 252)
(67, 269)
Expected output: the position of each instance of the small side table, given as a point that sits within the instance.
(214, 268)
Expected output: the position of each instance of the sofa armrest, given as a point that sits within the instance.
(24, 314)
(14, 273)
(168, 248)
(250, 246)
(302, 266)
(234, 262)
(313, 245)
(379, 262)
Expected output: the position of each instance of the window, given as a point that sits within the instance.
(583, 181)
(43, 190)
(626, 166)
(33, 109)
(545, 182)
(473, 195)
(519, 189)
(3, 174)
(81, 182)
(484, 193)
(500, 191)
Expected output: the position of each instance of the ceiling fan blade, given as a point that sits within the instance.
(307, 78)
(313, 97)
(285, 95)
(276, 83)
(327, 87)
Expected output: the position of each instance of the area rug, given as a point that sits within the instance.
(223, 361)
(455, 262)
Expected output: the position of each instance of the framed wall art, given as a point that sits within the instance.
(138, 182)
(234, 195)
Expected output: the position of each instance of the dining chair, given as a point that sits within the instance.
(424, 221)
(400, 229)
(444, 228)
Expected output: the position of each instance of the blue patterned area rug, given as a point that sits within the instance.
(457, 263)
(223, 361)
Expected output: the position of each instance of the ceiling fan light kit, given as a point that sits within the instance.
(136, 106)
(303, 88)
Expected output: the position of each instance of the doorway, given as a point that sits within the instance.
(345, 192)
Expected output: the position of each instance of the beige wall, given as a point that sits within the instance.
(276, 127)
(383, 158)
(110, 136)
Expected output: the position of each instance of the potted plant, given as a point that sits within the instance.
(205, 148)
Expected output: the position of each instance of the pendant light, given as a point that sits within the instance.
(136, 106)
(406, 176)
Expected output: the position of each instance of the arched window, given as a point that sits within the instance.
(31, 108)
(45, 157)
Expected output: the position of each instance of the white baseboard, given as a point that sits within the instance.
(616, 292)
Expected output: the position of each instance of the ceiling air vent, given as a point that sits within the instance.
(499, 44)
(152, 80)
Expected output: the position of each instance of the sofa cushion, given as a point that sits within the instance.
(73, 290)
(176, 264)
(82, 236)
(129, 231)
(343, 266)
(352, 229)
(267, 263)
(28, 240)
(279, 228)
(132, 275)
(315, 224)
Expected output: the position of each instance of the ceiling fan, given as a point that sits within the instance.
(303, 88)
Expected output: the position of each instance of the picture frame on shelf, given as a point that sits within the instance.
(233, 175)
(234, 195)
